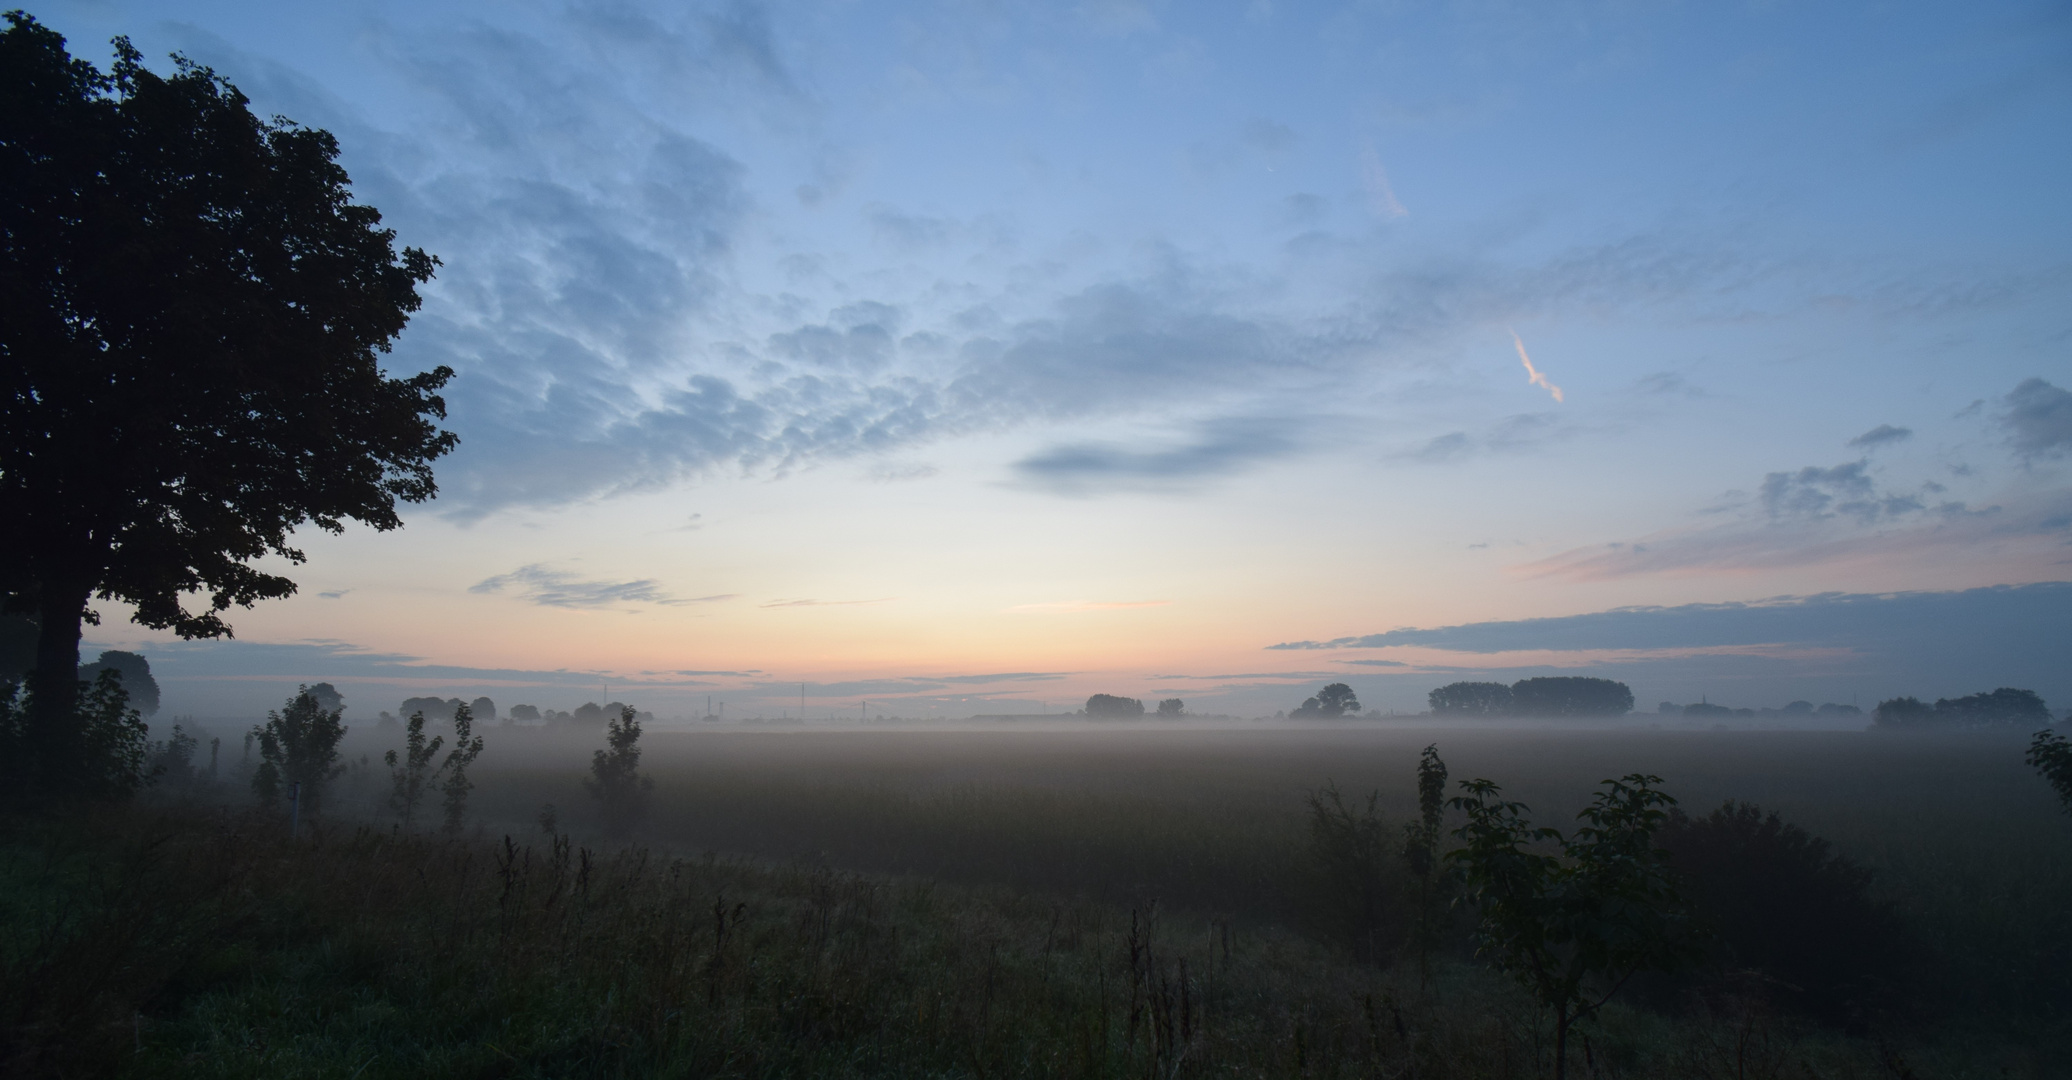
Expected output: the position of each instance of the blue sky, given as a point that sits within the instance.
(872, 346)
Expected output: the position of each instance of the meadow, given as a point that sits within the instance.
(1012, 900)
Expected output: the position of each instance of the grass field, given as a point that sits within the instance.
(961, 903)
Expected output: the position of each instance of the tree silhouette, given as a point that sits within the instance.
(135, 672)
(191, 312)
(1471, 699)
(1113, 707)
(1570, 695)
(1336, 699)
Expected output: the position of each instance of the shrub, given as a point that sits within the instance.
(1573, 928)
(1778, 901)
(1356, 849)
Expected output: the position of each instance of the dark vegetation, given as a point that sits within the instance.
(1551, 696)
(940, 904)
(192, 309)
(2005, 707)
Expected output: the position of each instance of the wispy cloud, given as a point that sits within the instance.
(825, 603)
(1217, 450)
(1532, 374)
(1882, 435)
(1069, 606)
(559, 588)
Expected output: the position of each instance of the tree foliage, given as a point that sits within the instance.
(1471, 699)
(2005, 707)
(1335, 699)
(2051, 755)
(409, 774)
(136, 677)
(615, 780)
(1573, 927)
(298, 745)
(192, 309)
(454, 787)
(1570, 696)
(1113, 707)
(1171, 707)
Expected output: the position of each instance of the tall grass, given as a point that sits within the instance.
(206, 944)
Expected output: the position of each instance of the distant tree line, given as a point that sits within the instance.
(1829, 710)
(484, 710)
(2005, 707)
(1550, 696)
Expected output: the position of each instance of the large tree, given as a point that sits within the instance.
(192, 309)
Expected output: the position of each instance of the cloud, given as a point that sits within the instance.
(334, 594)
(1218, 450)
(1068, 606)
(1512, 434)
(1815, 493)
(1533, 375)
(1882, 435)
(1931, 643)
(2039, 417)
(559, 588)
(825, 603)
(2026, 533)
(1667, 384)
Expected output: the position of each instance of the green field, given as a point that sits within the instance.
(960, 902)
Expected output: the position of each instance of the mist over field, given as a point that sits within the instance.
(745, 538)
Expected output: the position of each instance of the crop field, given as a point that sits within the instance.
(1072, 900)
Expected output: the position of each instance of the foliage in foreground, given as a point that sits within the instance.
(1573, 928)
(150, 944)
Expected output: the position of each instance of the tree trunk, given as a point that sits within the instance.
(1561, 1022)
(54, 735)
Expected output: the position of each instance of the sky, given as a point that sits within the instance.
(939, 359)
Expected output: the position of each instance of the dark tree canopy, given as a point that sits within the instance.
(2005, 707)
(136, 677)
(1172, 707)
(1570, 695)
(192, 312)
(1471, 699)
(1113, 707)
(1336, 699)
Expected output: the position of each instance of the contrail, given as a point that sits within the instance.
(1534, 375)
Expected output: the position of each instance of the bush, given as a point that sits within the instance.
(1358, 851)
(1780, 902)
